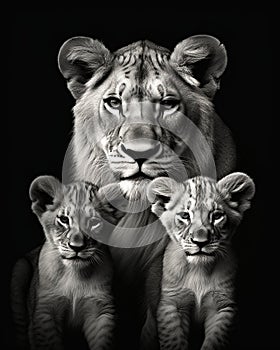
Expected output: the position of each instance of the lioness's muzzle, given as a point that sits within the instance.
(140, 141)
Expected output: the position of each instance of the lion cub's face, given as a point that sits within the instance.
(71, 218)
(200, 214)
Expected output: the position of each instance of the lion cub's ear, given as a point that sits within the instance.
(43, 190)
(79, 59)
(238, 189)
(203, 58)
(159, 193)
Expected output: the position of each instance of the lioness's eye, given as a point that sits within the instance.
(169, 103)
(113, 102)
(184, 215)
(63, 219)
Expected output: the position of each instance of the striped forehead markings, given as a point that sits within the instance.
(139, 63)
(150, 89)
(79, 194)
(201, 190)
(160, 90)
(127, 59)
(143, 58)
(127, 74)
(124, 60)
(121, 88)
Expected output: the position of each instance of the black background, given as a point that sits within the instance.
(40, 127)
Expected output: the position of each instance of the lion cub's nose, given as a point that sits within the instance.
(76, 242)
(201, 237)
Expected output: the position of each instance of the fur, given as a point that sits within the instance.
(73, 283)
(139, 74)
(199, 266)
(142, 75)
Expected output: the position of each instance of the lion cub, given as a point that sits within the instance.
(75, 271)
(200, 216)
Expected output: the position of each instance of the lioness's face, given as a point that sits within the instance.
(138, 107)
(142, 113)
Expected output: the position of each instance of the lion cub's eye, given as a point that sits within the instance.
(217, 216)
(113, 102)
(169, 103)
(63, 219)
(184, 215)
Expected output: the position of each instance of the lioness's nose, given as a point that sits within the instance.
(141, 149)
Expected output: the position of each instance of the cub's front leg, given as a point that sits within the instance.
(173, 317)
(99, 323)
(44, 331)
(220, 312)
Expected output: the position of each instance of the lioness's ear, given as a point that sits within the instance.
(238, 189)
(201, 57)
(42, 192)
(78, 59)
(159, 192)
